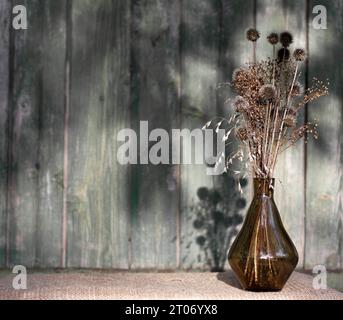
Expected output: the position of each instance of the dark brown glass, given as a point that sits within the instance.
(263, 256)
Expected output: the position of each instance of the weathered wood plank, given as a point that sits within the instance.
(199, 77)
(5, 10)
(155, 98)
(210, 52)
(37, 136)
(278, 16)
(98, 192)
(324, 184)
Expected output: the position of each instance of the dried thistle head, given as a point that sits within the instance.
(240, 104)
(290, 121)
(253, 35)
(286, 39)
(299, 54)
(242, 134)
(283, 55)
(267, 92)
(297, 90)
(273, 38)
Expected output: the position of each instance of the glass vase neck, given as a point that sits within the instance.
(264, 186)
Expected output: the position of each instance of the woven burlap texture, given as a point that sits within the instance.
(135, 285)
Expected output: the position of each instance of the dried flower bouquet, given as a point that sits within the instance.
(268, 102)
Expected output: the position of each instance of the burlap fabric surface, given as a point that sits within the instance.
(125, 285)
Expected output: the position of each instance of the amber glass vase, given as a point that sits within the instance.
(263, 256)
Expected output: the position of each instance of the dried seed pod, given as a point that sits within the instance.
(299, 54)
(290, 121)
(286, 39)
(240, 104)
(297, 90)
(267, 92)
(241, 133)
(253, 35)
(273, 38)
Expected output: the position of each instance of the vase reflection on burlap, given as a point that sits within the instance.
(263, 256)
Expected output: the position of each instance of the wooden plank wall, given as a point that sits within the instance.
(35, 136)
(155, 83)
(97, 210)
(86, 69)
(199, 77)
(4, 89)
(324, 181)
